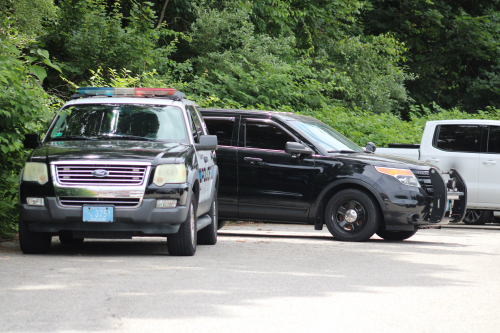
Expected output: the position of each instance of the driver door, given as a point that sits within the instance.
(272, 182)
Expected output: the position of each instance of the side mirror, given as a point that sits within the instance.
(370, 147)
(297, 148)
(31, 141)
(207, 142)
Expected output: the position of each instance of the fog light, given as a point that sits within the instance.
(35, 201)
(166, 203)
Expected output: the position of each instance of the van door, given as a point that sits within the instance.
(457, 146)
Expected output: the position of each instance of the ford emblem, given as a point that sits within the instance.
(100, 173)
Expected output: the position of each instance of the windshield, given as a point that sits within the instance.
(120, 122)
(324, 136)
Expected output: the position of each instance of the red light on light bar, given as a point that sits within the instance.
(154, 91)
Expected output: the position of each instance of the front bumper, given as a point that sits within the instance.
(145, 219)
(410, 208)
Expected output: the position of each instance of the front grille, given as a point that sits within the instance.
(117, 202)
(71, 174)
(425, 180)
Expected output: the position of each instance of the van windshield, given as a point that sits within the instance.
(120, 122)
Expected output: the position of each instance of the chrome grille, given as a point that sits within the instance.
(79, 174)
(117, 202)
(425, 180)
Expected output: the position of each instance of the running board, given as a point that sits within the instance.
(203, 221)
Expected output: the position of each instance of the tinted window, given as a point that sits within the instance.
(464, 138)
(123, 121)
(266, 136)
(494, 140)
(222, 128)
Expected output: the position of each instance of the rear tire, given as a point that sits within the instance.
(352, 215)
(208, 235)
(396, 235)
(66, 237)
(33, 242)
(183, 243)
(476, 217)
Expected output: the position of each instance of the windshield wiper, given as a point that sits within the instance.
(73, 137)
(343, 151)
(124, 137)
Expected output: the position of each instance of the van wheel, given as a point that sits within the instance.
(183, 243)
(396, 235)
(208, 235)
(476, 217)
(352, 215)
(33, 242)
(66, 237)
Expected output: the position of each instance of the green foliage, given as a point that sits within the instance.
(453, 47)
(26, 16)
(92, 34)
(24, 108)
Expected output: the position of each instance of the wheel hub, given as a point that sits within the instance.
(351, 216)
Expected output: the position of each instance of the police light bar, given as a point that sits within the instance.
(103, 91)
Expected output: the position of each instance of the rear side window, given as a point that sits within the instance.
(459, 138)
(222, 128)
(266, 136)
(494, 140)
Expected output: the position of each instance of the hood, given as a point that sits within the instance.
(388, 161)
(145, 151)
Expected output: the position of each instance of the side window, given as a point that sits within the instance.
(203, 123)
(266, 136)
(222, 128)
(194, 130)
(459, 138)
(494, 140)
(197, 122)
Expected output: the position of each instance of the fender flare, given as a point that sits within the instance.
(316, 214)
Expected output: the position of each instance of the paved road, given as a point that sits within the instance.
(444, 280)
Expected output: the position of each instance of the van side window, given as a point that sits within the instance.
(494, 140)
(459, 138)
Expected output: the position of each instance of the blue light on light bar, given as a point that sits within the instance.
(96, 91)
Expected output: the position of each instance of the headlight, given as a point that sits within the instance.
(169, 173)
(36, 172)
(405, 176)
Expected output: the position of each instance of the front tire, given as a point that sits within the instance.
(33, 242)
(183, 243)
(208, 235)
(352, 215)
(396, 235)
(476, 217)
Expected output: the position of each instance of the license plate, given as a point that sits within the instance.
(98, 213)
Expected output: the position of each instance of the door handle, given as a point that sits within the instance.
(490, 162)
(252, 160)
(432, 159)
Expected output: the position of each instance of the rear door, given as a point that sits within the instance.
(273, 185)
(227, 152)
(489, 168)
(457, 146)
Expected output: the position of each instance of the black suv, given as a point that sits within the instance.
(118, 163)
(278, 166)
